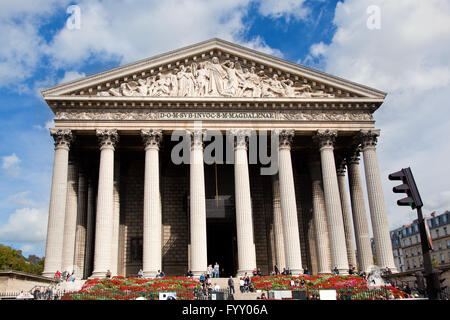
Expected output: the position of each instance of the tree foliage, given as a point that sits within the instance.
(11, 259)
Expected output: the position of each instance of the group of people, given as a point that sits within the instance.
(46, 294)
(65, 276)
(285, 272)
(159, 274)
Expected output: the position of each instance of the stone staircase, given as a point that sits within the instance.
(223, 283)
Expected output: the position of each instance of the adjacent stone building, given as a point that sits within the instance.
(407, 248)
(121, 201)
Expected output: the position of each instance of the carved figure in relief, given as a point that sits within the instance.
(213, 78)
(201, 74)
(216, 74)
(186, 82)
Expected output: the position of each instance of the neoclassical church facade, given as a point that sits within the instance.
(121, 201)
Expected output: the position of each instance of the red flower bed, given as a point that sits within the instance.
(121, 288)
(345, 285)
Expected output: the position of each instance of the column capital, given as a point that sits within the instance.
(152, 138)
(341, 168)
(286, 137)
(63, 137)
(197, 137)
(107, 138)
(325, 138)
(368, 138)
(242, 135)
(353, 156)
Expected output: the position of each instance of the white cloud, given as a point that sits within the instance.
(26, 225)
(408, 58)
(23, 45)
(10, 162)
(20, 199)
(286, 8)
(72, 75)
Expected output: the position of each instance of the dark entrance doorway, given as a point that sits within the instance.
(221, 246)
(220, 218)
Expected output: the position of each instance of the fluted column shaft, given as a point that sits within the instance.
(360, 223)
(70, 221)
(378, 215)
(116, 219)
(346, 215)
(198, 206)
(105, 208)
(289, 205)
(55, 228)
(244, 220)
(320, 219)
(278, 224)
(90, 228)
(80, 235)
(152, 211)
(332, 202)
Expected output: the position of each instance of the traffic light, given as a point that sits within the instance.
(438, 280)
(409, 187)
(420, 282)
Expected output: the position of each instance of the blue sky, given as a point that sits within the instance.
(408, 57)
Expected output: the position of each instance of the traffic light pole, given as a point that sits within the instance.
(432, 293)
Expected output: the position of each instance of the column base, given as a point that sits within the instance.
(241, 273)
(343, 272)
(296, 272)
(99, 274)
(198, 273)
(48, 274)
(150, 274)
(324, 272)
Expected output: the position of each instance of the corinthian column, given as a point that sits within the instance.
(320, 217)
(70, 221)
(80, 235)
(346, 215)
(198, 205)
(278, 224)
(90, 228)
(116, 219)
(380, 226)
(362, 236)
(288, 204)
(105, 208)
(55, 229)
(152, 209)
(244, 220)
(332, 201)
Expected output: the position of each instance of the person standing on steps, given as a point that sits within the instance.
(216, 270)
(231, 285)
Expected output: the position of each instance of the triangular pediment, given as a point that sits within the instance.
(213, 69)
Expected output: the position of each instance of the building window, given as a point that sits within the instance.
(448, 243)
(445, 231)
(412, 252)
(437, 233)
(436, 221)
(407, 265)
(444, 217)
(440, 245)
(417, 239)
(406, 253)
(404, 232)
(442, 258)
(430, 223)
(405, 243)
(418, 250)
(416, 228)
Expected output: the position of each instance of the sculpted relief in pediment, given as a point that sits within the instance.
(214, 78)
